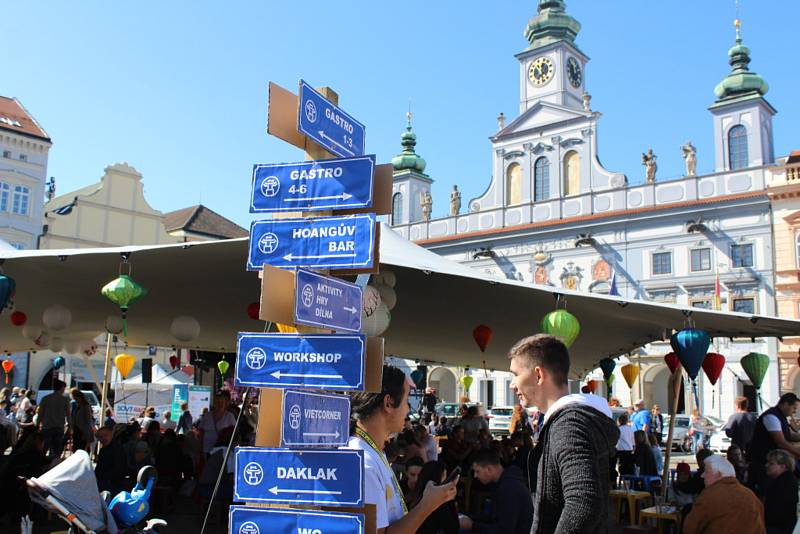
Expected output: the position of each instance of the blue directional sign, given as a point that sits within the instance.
(244, 520)
(313, 185)
(345, 242)
(329, 477)
(328, 125)
(321, 361)
(313, 419)
(327, 302)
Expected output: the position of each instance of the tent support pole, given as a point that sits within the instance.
(104, 395)
(676, 383)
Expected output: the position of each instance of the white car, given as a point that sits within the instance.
(500, 419)
(94, 402)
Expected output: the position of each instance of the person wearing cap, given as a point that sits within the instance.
(641, 418)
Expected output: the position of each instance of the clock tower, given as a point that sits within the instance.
(552, 67)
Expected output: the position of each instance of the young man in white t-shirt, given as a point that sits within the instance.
(377, 415)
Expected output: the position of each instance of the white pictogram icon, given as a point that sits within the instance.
(270, 186)
(294, 417)
(311, 111)
(253, 474)
(308, 295)
(248, 527)
(268, 243)
(256, 358)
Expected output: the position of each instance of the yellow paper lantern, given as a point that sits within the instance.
(286, 329)
(124, 363)
(630, 372)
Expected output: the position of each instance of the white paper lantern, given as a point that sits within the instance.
(388, 295)
(372, 299)
(30, 331)
(72, 346)
(56, 318)
(88, 347)
(56, 344)
(378, 322)
(185, 328)
(114, 324)
(43, 340)
(389, 278)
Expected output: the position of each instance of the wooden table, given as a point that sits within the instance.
(659, 513)
(633, 498)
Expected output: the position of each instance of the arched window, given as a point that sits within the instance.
(514, 184)
(737, 147)
(572, 173)
(541, 179)
(397, 208)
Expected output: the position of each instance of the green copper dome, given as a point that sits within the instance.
(551, 24)
(408, 160)
(740, 81)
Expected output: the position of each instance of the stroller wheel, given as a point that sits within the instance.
(146, 473)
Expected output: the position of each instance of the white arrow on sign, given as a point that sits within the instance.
(290, 256)
(335, 142)
(278, 375)
(275, 490)
(343, 196)
(351, 309)
(322, 434)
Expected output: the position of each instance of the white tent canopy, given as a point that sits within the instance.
(439, 303)
(161, 378)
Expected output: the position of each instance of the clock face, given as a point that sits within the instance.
(541, 71)
(574, 72)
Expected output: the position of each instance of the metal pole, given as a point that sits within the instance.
(104, 394)
(676, 383)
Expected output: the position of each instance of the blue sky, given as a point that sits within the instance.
(178, 89)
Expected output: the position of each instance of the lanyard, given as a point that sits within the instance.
(369, 441)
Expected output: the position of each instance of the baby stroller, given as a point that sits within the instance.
(70, 491)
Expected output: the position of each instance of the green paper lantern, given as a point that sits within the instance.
(755, 365)
(223, 366)
(561, 324)
(123, 292)
(466, 381)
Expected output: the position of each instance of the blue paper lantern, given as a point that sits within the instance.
(691, 345)
(7, 287)
(607, 365)
(58, 362)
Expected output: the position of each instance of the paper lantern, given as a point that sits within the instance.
(31, 332)
(585, 389)
(388, 295)
(607, 365)
(8, 366)
(18, 318)
(42, 341)
(417, 376)
(672, 361)
(630, 372)
(385, 277)
(72, 346)
(372, 299)
(253, 310)
(173, 361)
(58, 362)
(185, 328)
(123, 292)
(56, 344)
(466, 381)
(561, 324)
(286, 329)
(713, 365)
(482, 335)
(56, 318)
(87, 348)
(755, 365)
(7, 288)
(377, 323)
(593, 385)
(114, 324)
(124, 364)
(223, 366)
(690, 344)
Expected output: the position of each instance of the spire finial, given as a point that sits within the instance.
(737, 23)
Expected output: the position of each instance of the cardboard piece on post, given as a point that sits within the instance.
(277, 295)
(373, 370)
(381, 192)
(376, 254)
(268, 431)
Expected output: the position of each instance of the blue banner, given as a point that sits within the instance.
(313, 419)
(313, 185)
(328, 125)
(317, 361)
(345, 242)
(244, 520)
(330, 477)
(327, 302)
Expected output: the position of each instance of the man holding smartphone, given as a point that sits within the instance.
(374, 417)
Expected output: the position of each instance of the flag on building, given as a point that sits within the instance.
(613, 291)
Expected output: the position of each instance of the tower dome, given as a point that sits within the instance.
(551, 24)
(740, 81)
(408, 159)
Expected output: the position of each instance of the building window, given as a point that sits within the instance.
(742, 255)
(4, 194)
(662, 263)
(541, 179)
(6, 153)
(486, 393)
(701, 259)
(19, 203)
(514, 184)
(737, 147)
(747, 305)
(397, 208)
(572, 173)
(23, 157)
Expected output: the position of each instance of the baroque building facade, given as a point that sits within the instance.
(553, 215)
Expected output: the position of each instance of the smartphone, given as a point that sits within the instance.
(452, 476)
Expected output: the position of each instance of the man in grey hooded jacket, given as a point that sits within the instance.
(569, 466)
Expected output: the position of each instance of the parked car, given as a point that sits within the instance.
(681, 440)
(500, 419)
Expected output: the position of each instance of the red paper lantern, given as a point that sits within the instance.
(713, 364)
(19, 318)
(482, 335)
(174, 361)
(592, 385)
(586, 389)
(672, 361)
(8, 365)
(253, 310)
